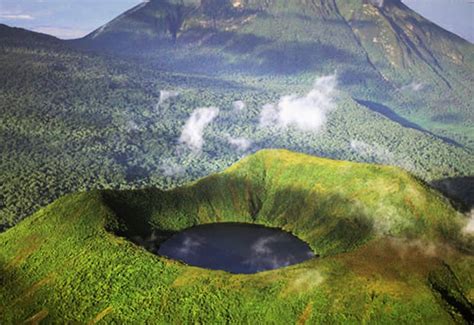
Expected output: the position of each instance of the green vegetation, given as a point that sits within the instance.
(389, 55)
(386, 240)
(74, 121)
(89, 116)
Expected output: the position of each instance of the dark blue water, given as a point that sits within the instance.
(236, 248)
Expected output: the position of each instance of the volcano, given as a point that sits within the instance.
(386, 242)
(383, 44)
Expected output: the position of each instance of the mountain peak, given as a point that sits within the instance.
(383, 39)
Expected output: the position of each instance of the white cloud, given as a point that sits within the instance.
(307, 113)
(61, 32)
(263, 256)
(405, 247)
(306, 279)
(380, 154)
(167, 94)
(192, 134)
(132, 126)
(240, 144)
(171, 169)
(376, 151)
(414, 86)
(16, 16)
(469, 228)
(238, 105)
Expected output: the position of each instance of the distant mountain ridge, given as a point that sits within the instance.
(423, 71)
(412, 33)
(23, 35)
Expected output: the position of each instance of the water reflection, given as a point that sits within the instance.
(236, 248)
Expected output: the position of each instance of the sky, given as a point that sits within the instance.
(69, 19)
(65, 19)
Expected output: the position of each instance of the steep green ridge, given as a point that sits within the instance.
(390, 251)
(74, 121)
(284, 189)
(384, 53)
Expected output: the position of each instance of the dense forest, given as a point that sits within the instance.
(73, 120)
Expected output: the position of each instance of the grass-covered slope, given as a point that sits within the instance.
(391, 251)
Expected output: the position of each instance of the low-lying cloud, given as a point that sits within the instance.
(171, 169)
(192, 134)
(132, 126)
(412, 248)
(380, 154)
(62, 32)
(307, 113)
(469, 228)
(239, 144)
(376, 151)
(414, 86)
(305, 279)
(238, 105)
(166, 95)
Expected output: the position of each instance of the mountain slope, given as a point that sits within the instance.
(74, 120)
(391, 35)
(418, 55)
(387, 244)
(384, 53)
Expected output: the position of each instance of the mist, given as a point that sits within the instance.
(239, 144)
(469, 228)
(165, 95)
(307, 113)
(171, 169)
(414, 86)
(192, 134)
(380, 154)
(238, 105)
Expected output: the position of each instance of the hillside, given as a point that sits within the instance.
(391, 250)
(384, 52)
(346, 123)
(74, 120)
